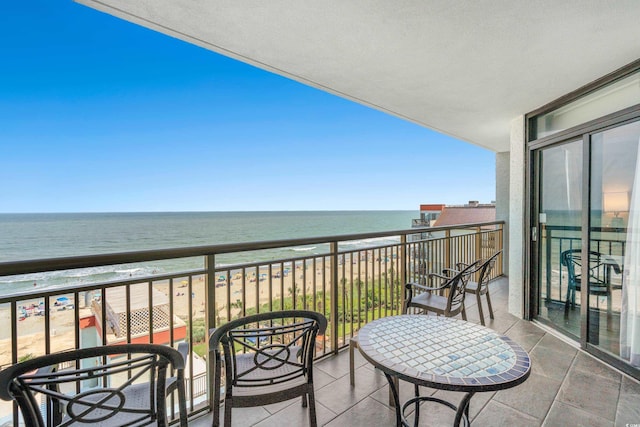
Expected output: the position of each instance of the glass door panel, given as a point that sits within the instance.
(614, 242)
(558, 220)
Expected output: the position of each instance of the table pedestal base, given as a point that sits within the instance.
(462, 410)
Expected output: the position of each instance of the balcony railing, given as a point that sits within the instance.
(557, 239)
(352, 280)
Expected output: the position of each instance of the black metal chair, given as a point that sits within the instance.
(481, 287)
(598, 268)
(268, 358)
(431, 300)
(114, 385)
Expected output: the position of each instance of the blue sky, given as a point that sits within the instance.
(100, 115)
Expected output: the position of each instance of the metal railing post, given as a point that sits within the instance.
(501, 248)
(447, 248)
(403, 266)
(333, 248)
(479, 254)
(210, 320)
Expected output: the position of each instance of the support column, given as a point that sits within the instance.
(503, 203)
(517, 175)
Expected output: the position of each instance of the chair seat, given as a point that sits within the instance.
(253, 391)
(432, 301)
(601, 289)
(136, 396)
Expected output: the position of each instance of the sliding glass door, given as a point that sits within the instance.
(558, 225)
(614, 242)
(586, 232)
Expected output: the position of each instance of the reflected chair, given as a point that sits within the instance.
(481, 287)
(453, 283)
(599, 268)
(268, 358)
(111, 385)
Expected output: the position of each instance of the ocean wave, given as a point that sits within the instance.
(376, 241)
(81, 276)
(304, 249)
(130, 270)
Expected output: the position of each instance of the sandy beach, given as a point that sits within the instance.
(231, 288)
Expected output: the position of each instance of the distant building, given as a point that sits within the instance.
(439, 215)
(428, 215)
(121, 314)
(472, 212)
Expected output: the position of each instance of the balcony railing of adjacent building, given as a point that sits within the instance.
(352, 279)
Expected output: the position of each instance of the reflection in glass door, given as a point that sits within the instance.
(614, 241)
(559, 216)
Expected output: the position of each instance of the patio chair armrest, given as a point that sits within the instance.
(172, 382)
(442, 278)
(58, 407)
(616, 267)
(183, 349)
(447, 271)
(409, 286)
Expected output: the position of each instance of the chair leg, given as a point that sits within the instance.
(352, 346)
(464, 312)
(313, 422)
(227, 412)
(304, 400)
(479, 302)
(215, 404)
(489, 304)
(567, 302)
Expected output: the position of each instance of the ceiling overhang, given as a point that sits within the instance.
(462, 68)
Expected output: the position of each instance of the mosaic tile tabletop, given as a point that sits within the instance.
(434, 351)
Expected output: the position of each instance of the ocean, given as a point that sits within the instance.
(39, 236)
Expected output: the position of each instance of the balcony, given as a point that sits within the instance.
(353, 280)
(566, 387)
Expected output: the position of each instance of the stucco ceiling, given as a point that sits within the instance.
(464, 68)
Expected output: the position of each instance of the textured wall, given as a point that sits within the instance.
(503, 202)
(516, 217)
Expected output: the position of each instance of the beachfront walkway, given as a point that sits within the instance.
(567, 387)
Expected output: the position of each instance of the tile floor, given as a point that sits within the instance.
(567, 387)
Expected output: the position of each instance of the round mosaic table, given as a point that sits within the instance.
(442, 353)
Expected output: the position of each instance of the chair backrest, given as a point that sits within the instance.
(457, 285)
(485, 269)
(268, 348)
(109, 385)
(596, 267)
(568, 259)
